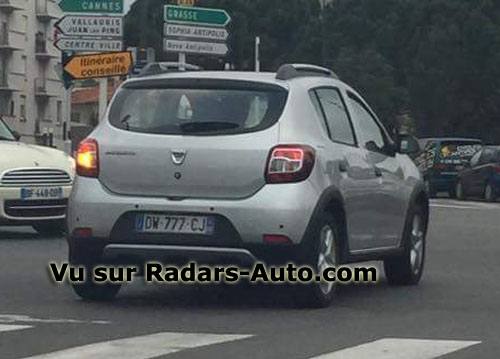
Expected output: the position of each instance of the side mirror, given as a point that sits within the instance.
(17, 135)
(408, 144)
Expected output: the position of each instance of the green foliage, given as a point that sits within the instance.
(436, 60)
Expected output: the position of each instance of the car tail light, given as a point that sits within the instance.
(496, 169)
(87, 159)
(276, 239)
(440, 166)
(82, 232)
(290, 163)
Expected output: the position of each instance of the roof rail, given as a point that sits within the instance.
(291, 71)
(156, 68)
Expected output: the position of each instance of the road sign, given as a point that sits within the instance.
(196, 15)
(88, 45)
(82, 67)
(92, 6)
(195, 47)
(196, 32)
(186, 2)
(85, 25)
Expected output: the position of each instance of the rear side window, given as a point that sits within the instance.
(197, 109)
(333, 110)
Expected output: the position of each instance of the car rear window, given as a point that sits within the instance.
(457, 152)
(197, 107)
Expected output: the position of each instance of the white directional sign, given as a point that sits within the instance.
(83, 25)
(196, 32)
(88, 45)
(195, 47)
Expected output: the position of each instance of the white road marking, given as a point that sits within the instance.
(463, 204)
(9, 328)
(142, 347)
(393, 348)
(12, 318)
(451, 206)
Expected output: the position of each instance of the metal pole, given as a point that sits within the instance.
(182, 61)
(103, 97)
(67, 122)
(257, 54)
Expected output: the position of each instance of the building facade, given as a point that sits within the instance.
(32, 98)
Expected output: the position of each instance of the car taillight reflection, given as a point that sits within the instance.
(87, 159)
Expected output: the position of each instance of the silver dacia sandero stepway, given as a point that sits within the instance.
(239, 167)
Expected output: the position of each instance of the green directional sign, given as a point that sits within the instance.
(196, 15)
(92, 6)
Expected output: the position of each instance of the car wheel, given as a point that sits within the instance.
(94, 292)
(489, 193)
(50, 228)
(407, 268)
(430, 189)
(459, 191)
(322, 252)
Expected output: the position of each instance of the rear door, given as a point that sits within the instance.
(467, 175)
(481, 172)
(387, 200)
(190, 139)
(356, 178)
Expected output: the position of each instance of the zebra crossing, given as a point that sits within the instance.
(158, 345)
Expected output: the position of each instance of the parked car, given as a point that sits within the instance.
(481, 178)
(441, 159)
(35, 183)
(292, 166)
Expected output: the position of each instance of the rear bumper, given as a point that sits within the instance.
(276, 209)
(443, 182)
(142, 253)
(13, 211)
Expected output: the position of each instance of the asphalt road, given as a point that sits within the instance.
(455, 310)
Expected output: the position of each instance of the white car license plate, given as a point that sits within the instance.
(40, 193)
(159, 223)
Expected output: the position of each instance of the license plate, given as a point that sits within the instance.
(157, 223)
(34, 193)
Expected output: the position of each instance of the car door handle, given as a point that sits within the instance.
(343, 165)
(378, 172)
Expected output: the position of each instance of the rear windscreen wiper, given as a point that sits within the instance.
(207, 126)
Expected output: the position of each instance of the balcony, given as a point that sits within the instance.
(5, 43)
(41, 52)
(44, 13)
(41, 89)
(9, 6)
(6, 84)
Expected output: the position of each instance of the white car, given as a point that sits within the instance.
(35, 184)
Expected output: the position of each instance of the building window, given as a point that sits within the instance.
(22, 108)
(59, 112)
(12, 105)
(24, 64)
(75, 117)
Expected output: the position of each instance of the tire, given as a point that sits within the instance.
(93, 292)
(430, 189)
(459, 191)
(96, 292)
(50, 228)
(489, 193)
(321, 251)
(407, 268)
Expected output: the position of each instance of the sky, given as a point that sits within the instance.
(127, 5)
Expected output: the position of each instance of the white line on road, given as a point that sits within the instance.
(393, 348)
(9, 328)
(11, 318)
(143, 347)
(452, 206)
